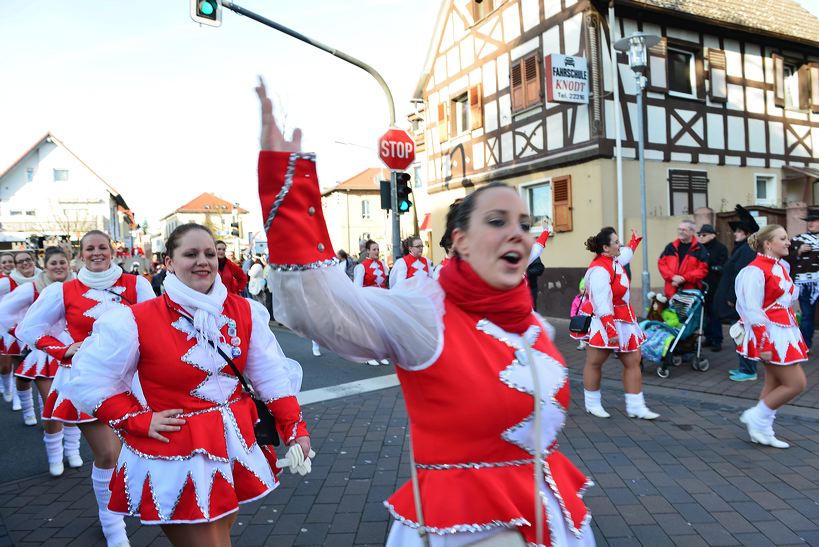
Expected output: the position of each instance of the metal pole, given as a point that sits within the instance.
(643, 213)
(618, 145)
(396, 218)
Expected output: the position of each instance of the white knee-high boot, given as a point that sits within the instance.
(71, 441)
(15, 397)
(7, 392)
(54, 452)
(113, 526)
(636, 407)
(27, 406)
(594, 403)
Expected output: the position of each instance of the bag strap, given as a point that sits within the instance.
(245, 386)
(416, 494)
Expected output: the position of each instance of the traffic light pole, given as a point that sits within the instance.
(396, 222)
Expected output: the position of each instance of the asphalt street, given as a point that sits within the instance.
(23, 453)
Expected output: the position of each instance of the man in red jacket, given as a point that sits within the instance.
(684, 262)
(233, 278)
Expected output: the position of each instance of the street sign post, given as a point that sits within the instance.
(397, 150)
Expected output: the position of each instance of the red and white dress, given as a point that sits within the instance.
(409, 267)
(467, 382)
(607, 289)
(213, 463)
(371, 273)
(765, 295)
(78, 306)
(13, 308)
(9, 344)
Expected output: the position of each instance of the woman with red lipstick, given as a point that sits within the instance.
(614, 326)
(469, 352)
(189, 454)
(100, 286)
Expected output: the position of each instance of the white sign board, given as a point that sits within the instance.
(567, 79)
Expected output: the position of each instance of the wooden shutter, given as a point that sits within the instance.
(699, 75)
(518, 97)
(686, 182)
(804, 87)
(532, 83)
(476, 106)
(717, 76)
(562, 203)
(814, 87)
(658, 66)
(443, 124)
(779, 80)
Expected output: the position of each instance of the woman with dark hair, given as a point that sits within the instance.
(472, 358)
(765, 297)
(38, 366)
(234, 278)
(371, 272)
(100, 286)
(614, 326)
(412, 264)
(189, 454)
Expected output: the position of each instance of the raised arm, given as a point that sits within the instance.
(627, 252)
(34, 329)
(540, 244)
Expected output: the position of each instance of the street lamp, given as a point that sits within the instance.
(636, 48)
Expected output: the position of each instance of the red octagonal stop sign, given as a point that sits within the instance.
(396, 149)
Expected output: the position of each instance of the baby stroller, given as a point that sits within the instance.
(667, 346)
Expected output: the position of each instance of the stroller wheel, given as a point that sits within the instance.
(676, 360)
(663, 372)
(703, 364)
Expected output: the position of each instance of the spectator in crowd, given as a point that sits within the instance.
(257, 283)
(804, 260)
(348, 263)
(233, 277)
(725, 299)
(684, 262)
(158, 279)
(717, 255)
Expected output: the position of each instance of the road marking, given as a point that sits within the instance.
(345, 390)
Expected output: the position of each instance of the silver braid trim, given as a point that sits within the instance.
(288, 182)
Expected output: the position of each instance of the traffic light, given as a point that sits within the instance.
(207, 12)
(386, 199)
(234, 229)
(404, 190)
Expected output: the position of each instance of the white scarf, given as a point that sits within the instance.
(206, 309)
(100, 280)
(21, 279)
(41, 280)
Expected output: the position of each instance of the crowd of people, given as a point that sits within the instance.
(181, 389)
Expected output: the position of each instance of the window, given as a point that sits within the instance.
(460, 114)
(29, 213)
(791, 79)
(365, 209)
(765, 186)
(538, 198)
(15, 213)
(527, 87)
(682, 72)
(481, 8)
(60, 175)
(688, 190)
(416, 176)
(29, 174)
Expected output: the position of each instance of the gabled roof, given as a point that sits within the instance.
(207, 203)
(49, 137)
(365, 180)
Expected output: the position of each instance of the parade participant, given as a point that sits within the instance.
(804, 260)
(100, 286)
(717, 256)
(613, 325)
(765, 294)
(234, 278)
(463, 345)
(40, 367)
(6, 266)
(684, 262)
(371, 272)
(411, 264)
(24, 272)
(189, 453)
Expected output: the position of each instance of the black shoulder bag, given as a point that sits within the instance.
(580, 323)
(265, 429)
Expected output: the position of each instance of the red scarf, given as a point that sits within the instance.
(510, 309)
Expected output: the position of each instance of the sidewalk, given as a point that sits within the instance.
(690, 478)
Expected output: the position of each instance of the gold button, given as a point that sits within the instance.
(311, 211)
(321, 247)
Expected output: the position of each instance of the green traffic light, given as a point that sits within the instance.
(206, 7)
(404, 206)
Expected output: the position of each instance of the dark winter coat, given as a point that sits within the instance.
(725, 298)
(717, 257)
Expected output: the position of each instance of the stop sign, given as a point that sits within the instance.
(396, 149)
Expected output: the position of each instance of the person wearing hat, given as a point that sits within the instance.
(725, 298)
(804, 260)
(717, 255)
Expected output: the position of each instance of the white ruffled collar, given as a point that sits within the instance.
(100, 280)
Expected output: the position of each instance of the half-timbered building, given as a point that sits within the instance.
(731, 110)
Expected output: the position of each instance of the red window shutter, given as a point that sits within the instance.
(779, 80)
(532, 82)
(658, 66)
(814, 88)
(443, 126)
(518, 98)
(562, 203)
(476, 106)
(717, 76)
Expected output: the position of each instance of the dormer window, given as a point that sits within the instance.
(682, 73)
(481, 8)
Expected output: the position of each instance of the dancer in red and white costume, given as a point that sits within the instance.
(24, 272)
(189, 453)
(412, 264)
(38, 366)
(100, 286)
(765, 296)
(461, 348)
(371, 272)
(614, 326)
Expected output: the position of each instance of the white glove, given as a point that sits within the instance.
(296, 461)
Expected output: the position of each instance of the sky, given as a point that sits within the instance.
(164, 109)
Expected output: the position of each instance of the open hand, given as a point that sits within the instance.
(272, 137)
(73, 349)
(165, 421)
